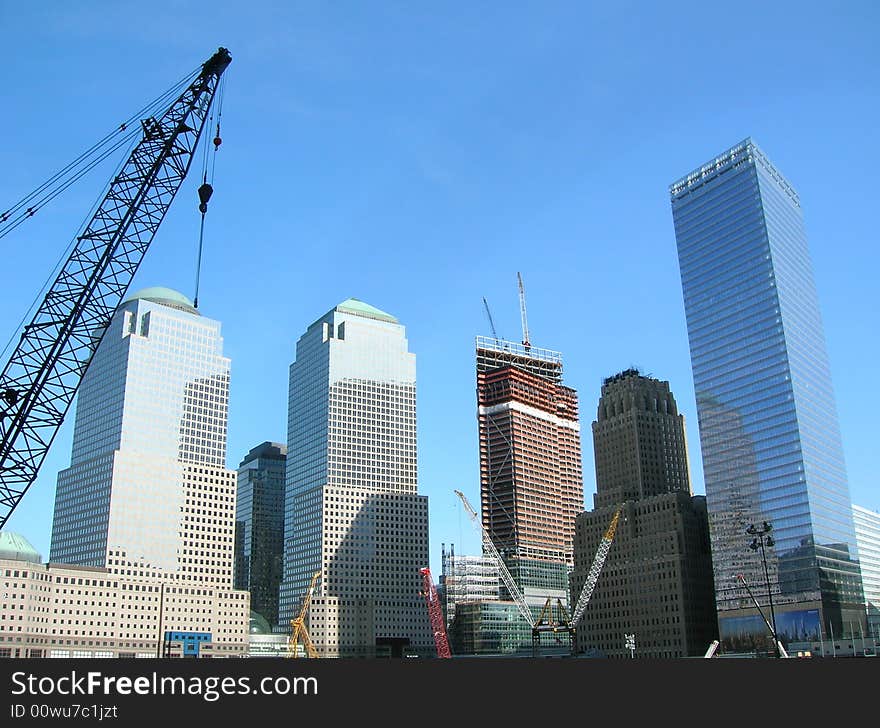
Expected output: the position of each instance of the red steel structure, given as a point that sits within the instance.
(438, 627)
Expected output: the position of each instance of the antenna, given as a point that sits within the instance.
(522, 311)
(491, 322)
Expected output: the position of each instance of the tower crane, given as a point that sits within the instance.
(298, 629)
(42, 375)
(522, 312)
(546, 621)
(432, 600)
(491, 322)
(489, 548)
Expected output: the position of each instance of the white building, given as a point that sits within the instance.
(352, 510)
(868, 539)
(147, 501)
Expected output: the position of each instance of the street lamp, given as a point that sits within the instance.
(760, 539)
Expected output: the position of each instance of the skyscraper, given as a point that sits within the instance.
(352, 510)
(147, 493)
(768, 423)
(531, 486)
(661, 547)
(259, 527)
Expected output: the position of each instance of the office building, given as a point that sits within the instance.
(867, 525)
(259, 527)
(769, 433)
(656, 582)
(531, 486)
(147, 494)
(352, 508)
(67, 611)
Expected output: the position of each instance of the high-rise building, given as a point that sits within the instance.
(352, 509)
(867, 525)
(259, 527)
(531, 486)
(661, 546)
(147, 493)
(769, 433)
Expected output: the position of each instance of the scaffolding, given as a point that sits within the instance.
(495, 353)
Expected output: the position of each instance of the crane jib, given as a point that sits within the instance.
(43, 373)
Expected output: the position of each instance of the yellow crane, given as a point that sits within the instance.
(298, 629)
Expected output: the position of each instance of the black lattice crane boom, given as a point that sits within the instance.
(45, 369)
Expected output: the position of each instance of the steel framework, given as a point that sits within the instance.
(435, 613)
(44, 371)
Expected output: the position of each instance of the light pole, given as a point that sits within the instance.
(760, 538)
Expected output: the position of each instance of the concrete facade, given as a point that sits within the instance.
(657, 579)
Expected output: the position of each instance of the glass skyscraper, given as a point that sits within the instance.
(152, 405)
(769, 433)
(259, 526)
(352, 510)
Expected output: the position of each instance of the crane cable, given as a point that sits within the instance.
(207, 188)
(158, 104)
(122, 135)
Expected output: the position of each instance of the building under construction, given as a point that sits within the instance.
(531, 484)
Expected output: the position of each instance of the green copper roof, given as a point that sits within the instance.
(165, 296)
(353, 305)
(17, 548)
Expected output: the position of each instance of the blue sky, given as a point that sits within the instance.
(416, 156)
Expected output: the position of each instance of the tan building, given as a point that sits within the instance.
(58, 610)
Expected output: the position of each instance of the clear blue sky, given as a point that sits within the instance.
(417, 155)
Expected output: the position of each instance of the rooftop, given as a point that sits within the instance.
(359, 308)
(164, 296)
(17, 548)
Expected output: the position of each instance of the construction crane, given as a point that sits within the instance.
(298, 631)
(43, 373)
(522, 312)
(432, 600)
(595, 570)
(491, 322)
(489, 548)
(552, 618)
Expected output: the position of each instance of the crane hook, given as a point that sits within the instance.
(205, 192)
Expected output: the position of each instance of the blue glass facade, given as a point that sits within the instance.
(259, 527)
(768, 425)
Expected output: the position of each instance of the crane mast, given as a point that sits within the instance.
(45, 369)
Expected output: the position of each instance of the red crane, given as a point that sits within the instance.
(435, 613)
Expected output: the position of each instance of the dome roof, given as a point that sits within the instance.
(17, 548)
(360, 308)
(165, 296)
(259, 624)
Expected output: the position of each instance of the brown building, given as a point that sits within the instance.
(531, 485)
(657, 580)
